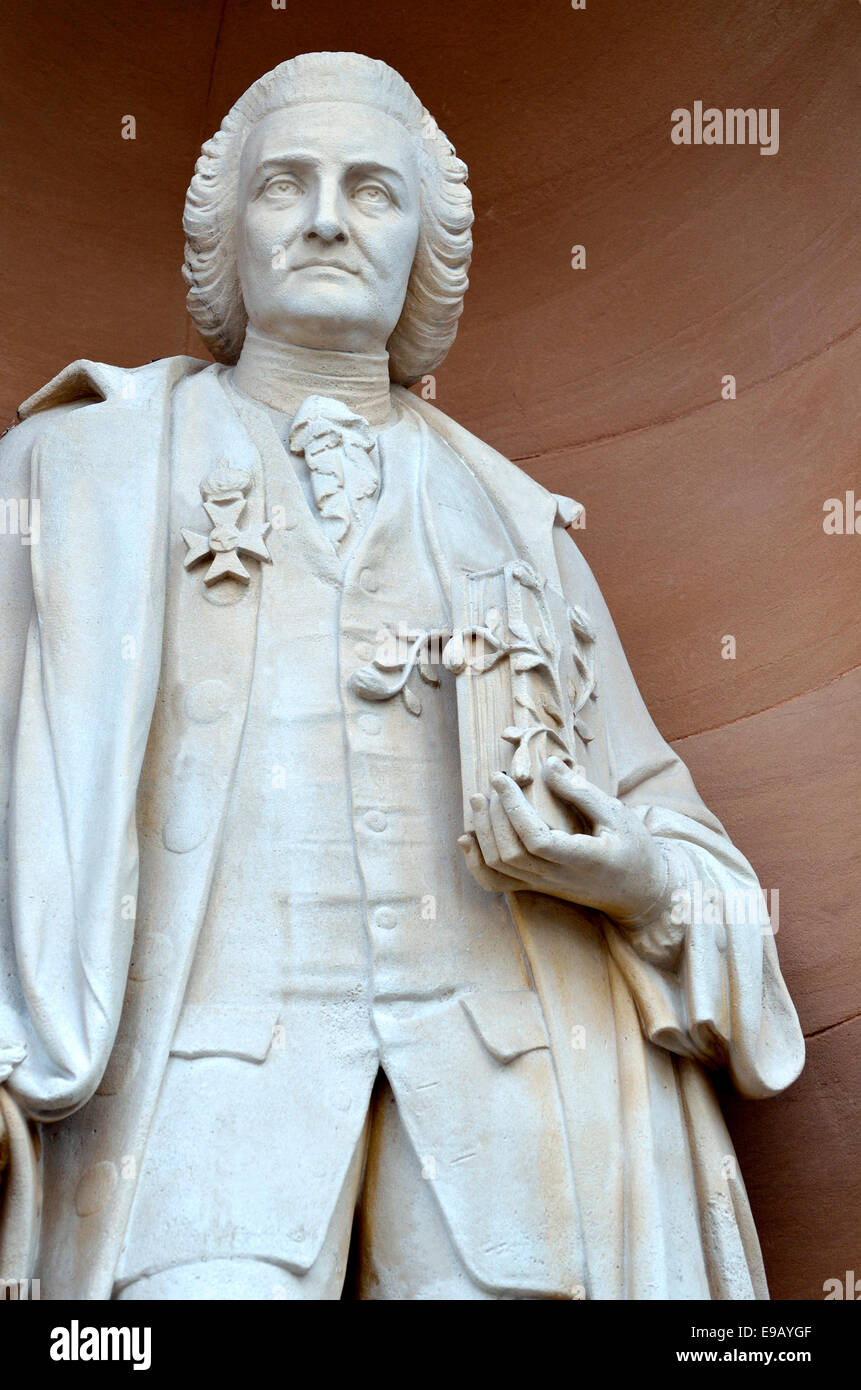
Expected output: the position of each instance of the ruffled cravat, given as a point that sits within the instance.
(332, 404)
(338, 447)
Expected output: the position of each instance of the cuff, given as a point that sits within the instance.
(658, 932)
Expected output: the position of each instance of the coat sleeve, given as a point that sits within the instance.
(718, 997)
(34, 1070)
(16, 612)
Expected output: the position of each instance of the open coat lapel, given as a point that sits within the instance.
(89, 686)
(192, 733)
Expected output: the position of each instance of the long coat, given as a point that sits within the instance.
(102, 758)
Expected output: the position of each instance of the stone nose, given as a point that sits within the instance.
(327, 221)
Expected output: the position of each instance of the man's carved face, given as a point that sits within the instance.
(327, 225)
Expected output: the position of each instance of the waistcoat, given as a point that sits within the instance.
(344, 932)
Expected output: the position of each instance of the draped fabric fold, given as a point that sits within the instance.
(85, 644)
(725, 1003)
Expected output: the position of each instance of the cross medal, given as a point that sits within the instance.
(224, 501)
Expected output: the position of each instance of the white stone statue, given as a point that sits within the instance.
(352, 893)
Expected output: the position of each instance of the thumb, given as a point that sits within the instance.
(590, 801)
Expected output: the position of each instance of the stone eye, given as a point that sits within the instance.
(372, 194)
(282, 186)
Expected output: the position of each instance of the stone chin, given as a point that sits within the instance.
(316, 313)
(322, 313)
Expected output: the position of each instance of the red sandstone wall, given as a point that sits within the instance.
(704, 516)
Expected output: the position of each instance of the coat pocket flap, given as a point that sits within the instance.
(204, 1031)
(509, 1022)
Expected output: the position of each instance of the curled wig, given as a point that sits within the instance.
(438, 280)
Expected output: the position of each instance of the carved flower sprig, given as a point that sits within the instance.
(479, 648)
(390, 672)
(521, 762)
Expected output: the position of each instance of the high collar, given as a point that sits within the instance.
(283, 376)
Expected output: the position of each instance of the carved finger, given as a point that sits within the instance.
(534, 833)
(511, 848)
(593, 803)
(483, 831)
(484, 877)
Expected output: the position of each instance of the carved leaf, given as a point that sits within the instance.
(527, 577)
(551, 710)
(519, 629)
(495, 623)
(524, 662)
(372, 684)
(485, 636)
(581, 623)
(482, 661)
(527, 703)
(412, 702)
(454, 656)
(428, 674)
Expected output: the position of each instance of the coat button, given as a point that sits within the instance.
(375, 820)
(225, 593)
(152, 957)
(185, 828)
(207, 701)
(96, 1188)
(364, 651)
(386, 918)
(369, 581)
(369, 723)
